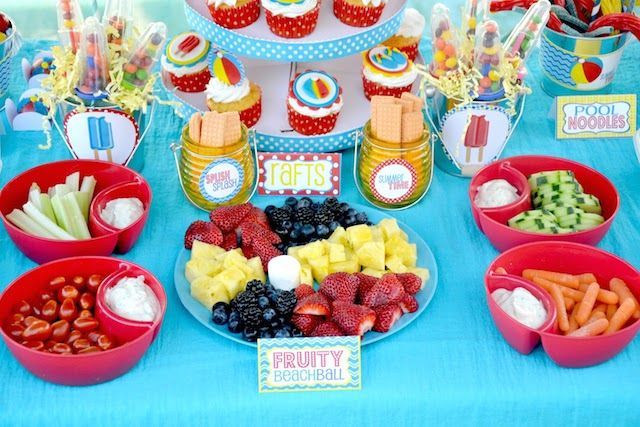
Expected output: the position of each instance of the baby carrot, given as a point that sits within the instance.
(587, 303)
(563, 320)
(604, 295)
(573, 325)
(591, 329)
(567, 292)
(595, 315)
(600, 307)
(620, 317)
(500, 270)
(619, 287)
(559, 278)
(586, 278)
(569, 303)
(611, 309)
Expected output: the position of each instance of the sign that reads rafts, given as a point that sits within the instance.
(597, 116)
(309, 364)
(299, 173)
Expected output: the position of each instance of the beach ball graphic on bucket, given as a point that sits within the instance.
(586, 70)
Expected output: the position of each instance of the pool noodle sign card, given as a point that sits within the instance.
(309, 364)
(312, 174)
(595, 116)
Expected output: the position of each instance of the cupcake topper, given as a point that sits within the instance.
(524, 36)
(445, 43)
(386, 60)
(186, 49)
(92, 61)
(315, 89)
(489, 54)
(117, 14)
(226, 68)
(144, 55)
(69, 23)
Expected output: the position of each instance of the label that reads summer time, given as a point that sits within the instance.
(221, 180)
(393, 180)
(595, 116)
(309, 364)
(299, 173)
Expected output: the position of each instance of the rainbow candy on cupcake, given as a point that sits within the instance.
(387, 71)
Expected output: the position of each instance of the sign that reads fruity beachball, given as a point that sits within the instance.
(309, 364)
(221, 180)
(595, 116)
(315, 174)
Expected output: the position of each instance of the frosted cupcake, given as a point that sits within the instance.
(234, 13)
(358, 13)
(230, 90)
(387, 71)
(291, 18)
(407, 38)
(314, 103)
(185, 60)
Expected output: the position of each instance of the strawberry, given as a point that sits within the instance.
(366, 283)
(228, 217)
(303, 290)
(229, 242)
(386, 316)
(204, 231)
(387, 289)
(409, 304)
(265, 250)
(316, 304)
(327, 328)
(340, 287)
(410, 282)
(257, 216)
(353, 319)
(307, 323)
(250, 231)
(248, 252)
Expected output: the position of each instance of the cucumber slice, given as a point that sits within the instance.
(550, 177)
(561, 212)
(532, 214)
(558, 188)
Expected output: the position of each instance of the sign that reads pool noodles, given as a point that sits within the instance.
(302, 174)
(595, 116)
(309, 364)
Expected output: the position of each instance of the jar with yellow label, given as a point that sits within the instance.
(392, 175)
(215, 176)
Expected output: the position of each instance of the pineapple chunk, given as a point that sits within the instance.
(233, 281)
(373, 272)
(305, 274)
(234, 260)
(406, 251)
(376, 234)
(200, 267)
(257, 272)
(395, 264)
(319, 267)
(312, 250)
(371, 254)
(349, 266)
(339, 236)
(422, 273)
(390, 229)
(205, 250)
(208, 292)
(410, 255)
(359, 235)
(293, 251)
(336, 253)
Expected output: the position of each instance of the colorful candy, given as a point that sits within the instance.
(524, 36)
(470, 17)
(69, 23)
(117, 14)
(93, 61)
(445, 42)
(488, 58)
(144, 55)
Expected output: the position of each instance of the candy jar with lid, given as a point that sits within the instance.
(445, 43)
(488, 57)
(117, 19)
(145, 54)
(92, 62)
(69, 24)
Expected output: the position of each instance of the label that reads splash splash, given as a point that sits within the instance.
(221, 180)
(309, 364)
(595, 116)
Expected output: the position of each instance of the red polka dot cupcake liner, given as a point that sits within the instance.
(306, 125)
(196, 82)
(357, 15)
(411, 51)
(372, 89)
(250, 116)
(236, 16)
(293, 28)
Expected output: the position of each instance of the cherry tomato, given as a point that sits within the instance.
(80, 343)
(85, 324)
(78, 282)
(93, 283)
(15, 331)
(39, 330)
(60, 330)
(85, 313)
(35, 345)
(15, 318)
(61, 348)
(23, 308)
(57, 282)
(49, 310)
(68, 291)
(45, 296)
(90, 349)
(29, 320)
(74, 336)
(68, 310)
(105, 343)
(87, 301)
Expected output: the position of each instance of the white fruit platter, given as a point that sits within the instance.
(425, 259)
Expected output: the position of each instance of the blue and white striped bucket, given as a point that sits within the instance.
(8, 49)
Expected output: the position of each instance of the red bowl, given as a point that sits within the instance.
(574, 258)
(85, 369)
(40, 250)
(521, 337)
(503, 237)
(127, 236)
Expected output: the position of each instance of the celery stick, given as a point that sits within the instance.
(45, 222)
(61, 216)
(77, 221)
(34, 195)
(73, 181)
(88, 186)
(60, 190)
(83, 202)
(26, 224)
(46, 208)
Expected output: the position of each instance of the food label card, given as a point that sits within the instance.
(309, 364)
(299, 174)
(595, 116)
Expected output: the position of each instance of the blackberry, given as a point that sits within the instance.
(278, 216)
(285, 302)
(252, 316)
(250, 334)
(256, 287)
(323, 215)
(333, 204)
(246, 304)
(304, 215)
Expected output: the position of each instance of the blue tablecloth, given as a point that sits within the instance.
(449, 366)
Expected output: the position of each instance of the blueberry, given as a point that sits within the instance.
(223, 305)
(296, 333)
(268, 287)
(295, 235)
(266, 333)
(304, 202)
(281, 246)
(235, 326)
(272, 295)
(234, 315)
(287, 225)
(268, 314)
(280, 231)
(315, 206)
(323, 231)
(220, 316)
(350, 220)
(269, 210)
(275, 324)
(263, 302)
(351, 211)
(291, 201)
(361, 217)
(308, 231)
(297, 225)
(250, 334)
(344, 207)
(282, 333)
(333, 225)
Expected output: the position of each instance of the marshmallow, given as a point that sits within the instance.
(284, 272)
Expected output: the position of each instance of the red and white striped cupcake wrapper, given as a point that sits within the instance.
(196, 82)
(306, 125)
(293, 28)
(357, 16)
(372, 89)
(236, 17)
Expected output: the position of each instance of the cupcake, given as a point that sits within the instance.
(234, 13)
(387, 71)
(185, 60)
(408, 36)
(358, 13)
(291, 19)
(314, 103)
(230, 90)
